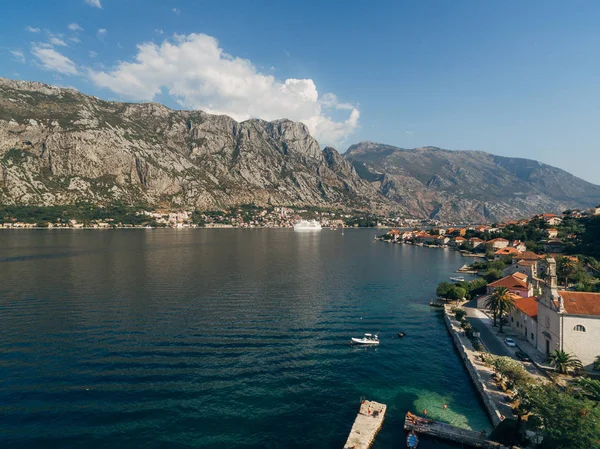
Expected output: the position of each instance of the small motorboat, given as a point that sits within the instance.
(412, 441)
(457, 279)
(401, 334)
(368, 339)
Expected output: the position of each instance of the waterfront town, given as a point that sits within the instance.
(527, 326)
(243, 216)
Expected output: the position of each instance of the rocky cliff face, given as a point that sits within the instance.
(59, 146)
(462, 185)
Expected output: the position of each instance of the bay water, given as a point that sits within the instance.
(220, 338)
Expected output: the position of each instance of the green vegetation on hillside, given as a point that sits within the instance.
(82, 212)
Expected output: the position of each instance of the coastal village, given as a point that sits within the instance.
(527, 328)
(548, 316)
(243, 216)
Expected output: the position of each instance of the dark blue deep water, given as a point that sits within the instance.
(219, 338)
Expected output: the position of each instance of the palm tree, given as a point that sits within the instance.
(566, 268)
(492, 304)
(564, 362)
(506, 304)
(590, 388)
(500, 302)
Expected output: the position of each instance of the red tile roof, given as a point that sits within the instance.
(497, 240)
(526, 263)
(530, 255)
(521, 276)
(507, 251)
(529, 306)
(581, 303)
(510, 282)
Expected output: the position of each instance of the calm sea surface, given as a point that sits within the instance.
(219, 339)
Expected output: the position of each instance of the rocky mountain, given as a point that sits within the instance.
(59, 146)
(463, 185)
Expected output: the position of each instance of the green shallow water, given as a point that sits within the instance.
(220, 338)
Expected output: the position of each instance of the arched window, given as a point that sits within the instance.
(579, 328)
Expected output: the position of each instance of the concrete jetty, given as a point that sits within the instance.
(424, 426)
(366, 425)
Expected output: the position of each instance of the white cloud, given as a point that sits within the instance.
(92, 54)
(74, 27)
(101, 33)
(197, 73)
(331, 101)
(75, 39)
(57, 41)
(159, 31)
(176, 11)
(32, 29)
(18, 54)
(52, 60)
(94, 3)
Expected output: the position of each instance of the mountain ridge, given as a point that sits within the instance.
(489, 185)
(59, 146)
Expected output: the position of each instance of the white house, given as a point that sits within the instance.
(498, 243)
(523, 319)
(528, 267)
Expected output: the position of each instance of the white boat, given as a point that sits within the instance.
(457, 279)
(307, 225)
(368, 339)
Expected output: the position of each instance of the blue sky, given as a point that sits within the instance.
(511, 78)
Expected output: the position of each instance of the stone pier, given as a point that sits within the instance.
(424, 426)
(366, 425)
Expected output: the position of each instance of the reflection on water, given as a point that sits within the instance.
(219, 338)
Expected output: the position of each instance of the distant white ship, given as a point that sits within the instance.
(307, 225)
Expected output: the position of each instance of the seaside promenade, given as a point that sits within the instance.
(493, 398)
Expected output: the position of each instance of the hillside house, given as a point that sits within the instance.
(516, 283)
(476, 242)
(518, 245)
(458, 241)
(442, 240)
(502, 253)
(553, 220)
(527, 267)
(496, 244)
(552, 233)
(530, 255)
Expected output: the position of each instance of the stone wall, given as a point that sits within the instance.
(467, 353)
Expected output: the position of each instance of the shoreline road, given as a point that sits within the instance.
(493, 341)
(486, 335)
